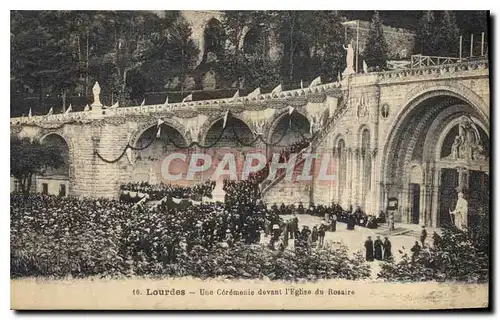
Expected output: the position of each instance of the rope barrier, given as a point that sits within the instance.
(197, 144)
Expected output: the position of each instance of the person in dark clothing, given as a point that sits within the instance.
(381, 217)
(314, 235)
(321, 234)
(387, 249)
(377, 245)
(300, 209)
(423, 236)
(295, 225)
(305, 233)
(274, 208)
(282, 208)
(415, 250)
(369, 249)
(351, 222)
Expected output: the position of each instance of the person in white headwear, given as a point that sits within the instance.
(460, 212)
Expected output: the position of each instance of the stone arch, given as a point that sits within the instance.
(363, 128)
(336, 139)
(444, 130)
(147, 162)
(413, 139)
(280, 117)
(454, 89)
(212, 122)
(135, 136)
(63, 176)
(425, 94)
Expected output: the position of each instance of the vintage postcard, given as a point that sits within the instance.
(250, 160)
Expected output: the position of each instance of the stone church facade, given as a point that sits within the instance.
(415, 137)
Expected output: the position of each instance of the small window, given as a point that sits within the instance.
(45, 188)
(62, 190)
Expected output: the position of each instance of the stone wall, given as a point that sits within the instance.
(400, 42)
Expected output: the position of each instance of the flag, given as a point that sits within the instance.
(69, 109)
(29, 114)
(129, 155)
(87, 108)
(143, 103)
(277, 89)
(315, 82)
(365, 67)
(158, 133)
(254, 93)
(301, 84)
(116, 105)
(188, 98)
(290, 110)
(225, 118)
(51, 111)
(166, 102)
(237, 94)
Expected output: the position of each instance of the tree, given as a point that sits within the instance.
(375, 52)
(438, 34)
(171, 52)
(236, 65)
(293, 36)
(30, 158)
(447, 36)
(425, 42)
(41, 59)
(326, 39)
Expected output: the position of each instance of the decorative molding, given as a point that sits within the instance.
(433, 71)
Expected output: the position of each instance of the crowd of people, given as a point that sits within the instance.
(161, 190)
(378, 249)
(333, 213)
(284, 155)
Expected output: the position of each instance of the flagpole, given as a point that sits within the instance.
(357, 45)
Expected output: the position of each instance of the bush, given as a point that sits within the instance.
(455, 256)
(58, 237)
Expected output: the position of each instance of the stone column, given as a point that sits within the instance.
(435, 195)
(372, 190)
(337, 156)
(355, 178)
(347, 192)
(95, 146)
(361, 179)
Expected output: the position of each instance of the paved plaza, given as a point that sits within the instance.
(355, 239)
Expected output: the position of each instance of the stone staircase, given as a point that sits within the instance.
(342, 108)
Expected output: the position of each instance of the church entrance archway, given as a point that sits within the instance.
(447, 138)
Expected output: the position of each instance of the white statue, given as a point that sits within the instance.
(460, 212)
(96, 90)
(349, 59)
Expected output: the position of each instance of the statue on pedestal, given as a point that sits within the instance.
(349, 60)
(460, 212)
(96, 90)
